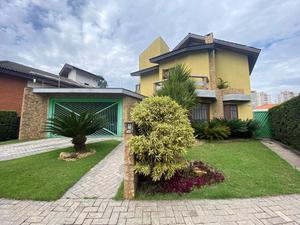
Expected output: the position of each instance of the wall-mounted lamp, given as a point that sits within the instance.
(129, 127)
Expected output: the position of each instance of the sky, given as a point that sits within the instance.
(106, 37)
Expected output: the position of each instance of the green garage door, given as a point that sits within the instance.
(110, 109)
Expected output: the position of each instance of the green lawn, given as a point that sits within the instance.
(250, 170)
(43, 176)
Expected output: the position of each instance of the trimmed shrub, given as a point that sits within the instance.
(212, 130)
(285, 122)
(164, 134)
(9, 125)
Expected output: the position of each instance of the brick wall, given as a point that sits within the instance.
(11, 92)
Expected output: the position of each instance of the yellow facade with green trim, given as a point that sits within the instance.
(206, 57)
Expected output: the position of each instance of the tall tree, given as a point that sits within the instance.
(180, 87)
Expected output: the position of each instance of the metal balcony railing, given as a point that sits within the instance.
(201, 82)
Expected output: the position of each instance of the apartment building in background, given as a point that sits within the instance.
(260, 98)
(285, 95)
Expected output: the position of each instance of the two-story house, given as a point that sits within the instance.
(208, 59)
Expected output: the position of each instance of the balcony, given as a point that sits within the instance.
(201, 83)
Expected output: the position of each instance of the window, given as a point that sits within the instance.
(200, 112)
(230, 112)
(166, 72)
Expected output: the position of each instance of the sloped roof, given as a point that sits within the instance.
(68, 67)
(195, 42)
(19, 70)
(265, 106)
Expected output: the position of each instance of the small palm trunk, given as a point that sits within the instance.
(79, 143)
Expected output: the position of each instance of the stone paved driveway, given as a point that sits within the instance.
(88, 202)
(17, 150)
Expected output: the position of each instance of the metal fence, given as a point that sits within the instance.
(265, 127)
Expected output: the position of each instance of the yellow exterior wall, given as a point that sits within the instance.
(147, 84)
(157, 47)
(245, 111)
(197, 62)
(234, 68)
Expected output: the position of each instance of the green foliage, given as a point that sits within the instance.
(240, 128)
(211, 130)
(221, 84)
(76, 126)
(180, 87)
(164, 134)
(285, 122)
(9, 125)
(216, 129)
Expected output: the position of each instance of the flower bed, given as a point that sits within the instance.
(196, 175)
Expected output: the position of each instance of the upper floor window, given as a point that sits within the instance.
(230, 112)
(166, 73)
(200, 112)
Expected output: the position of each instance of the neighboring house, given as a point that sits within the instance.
(208, 59)
(14, 77)
(83, 77)
(38, 95)
(265, 107)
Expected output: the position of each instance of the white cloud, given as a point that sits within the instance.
(106, 37)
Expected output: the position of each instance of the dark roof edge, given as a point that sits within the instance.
(47, 80)
(168, 55)
(69, 66)
(144, 71)
(190, 35)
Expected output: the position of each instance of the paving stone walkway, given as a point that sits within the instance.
(18, 150)
(103, 180)
(86, 204)
(288, 155)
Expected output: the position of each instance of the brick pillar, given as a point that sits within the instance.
(130, 179)
(33, 115)
(217, 106)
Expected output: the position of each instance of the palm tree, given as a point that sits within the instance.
(76, 127)
(180, 87)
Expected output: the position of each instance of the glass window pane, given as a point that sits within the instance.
(200, 112)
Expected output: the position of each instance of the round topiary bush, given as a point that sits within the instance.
(164, 134)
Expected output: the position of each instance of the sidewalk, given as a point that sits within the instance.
(285, 153)
(18, 150)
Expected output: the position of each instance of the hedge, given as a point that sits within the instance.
(9, 125)
(285, 122)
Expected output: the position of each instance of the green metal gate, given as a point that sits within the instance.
(265, 128)
(110, 109)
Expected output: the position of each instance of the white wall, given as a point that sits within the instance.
(82, 78)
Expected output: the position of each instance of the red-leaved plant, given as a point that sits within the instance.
(184, 181)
